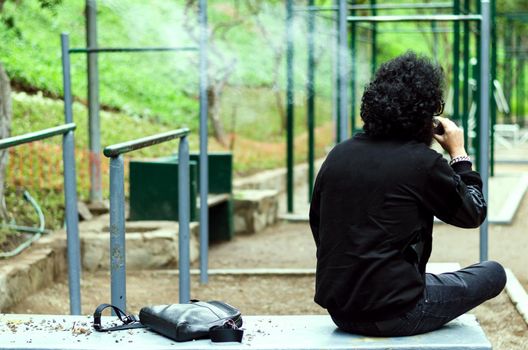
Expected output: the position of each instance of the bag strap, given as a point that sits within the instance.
(228, 332)
(129, 321)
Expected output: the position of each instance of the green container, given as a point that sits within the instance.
(221, 227)
(220, 171)
(154, 189)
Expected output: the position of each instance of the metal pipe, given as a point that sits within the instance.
(128, 146)
(435, 40)
(310, 104)
(337, 72)
(434, 30)
(518, 87)
(72, 223)
(117, 206)
(522, 87)
(130, 49)
(415, 18)
(204, 160)
(465, 73)
(289, 105)
(38, 231)
(439, 5)
(94, 123)
(184, 213)
(70, 187)
(484, 116)
(342, 72)
(66, 78)
(35, 136)
(478, 80)
(508, 71)
(353, 74)
(373, 47)
(117, 232)
(493, 73)
(456, 63)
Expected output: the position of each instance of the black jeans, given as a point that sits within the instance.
(446, 296)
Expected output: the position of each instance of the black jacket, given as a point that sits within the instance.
(372, 218)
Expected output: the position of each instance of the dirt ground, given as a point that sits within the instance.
(290, 245)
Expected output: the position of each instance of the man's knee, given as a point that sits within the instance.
(496, 275)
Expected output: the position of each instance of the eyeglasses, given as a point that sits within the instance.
(440, 109)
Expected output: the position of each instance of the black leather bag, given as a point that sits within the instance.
(183, 322)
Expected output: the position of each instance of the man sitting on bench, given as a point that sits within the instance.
(373, 205)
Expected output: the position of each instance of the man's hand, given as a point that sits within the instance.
(452, 140)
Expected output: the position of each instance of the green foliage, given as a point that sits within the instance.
(159, 86)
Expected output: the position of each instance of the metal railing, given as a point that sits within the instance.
(70, 198)
(117, 212)
(93, 110)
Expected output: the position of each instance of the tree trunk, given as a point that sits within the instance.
(5, 131)
(213, 101)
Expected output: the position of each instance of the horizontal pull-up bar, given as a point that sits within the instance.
(37, 135)
(406, 6)
(120, 148)
(130, 49)
(415, 18)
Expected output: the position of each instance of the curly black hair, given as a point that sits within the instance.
(402, 98)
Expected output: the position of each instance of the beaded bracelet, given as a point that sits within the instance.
(460, 159)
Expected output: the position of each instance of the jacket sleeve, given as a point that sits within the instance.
(454, 194)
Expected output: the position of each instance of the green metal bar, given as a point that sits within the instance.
(338, 79)
(289, 104)
(508, 71)
(518, 88)
(434, 31)
(478, 91)
(374, 47)
(415, 18)
(408, 6)
(404, 6)
(514, 15)
(456, 63)
(522, 87)
(353, 75)
(130, 49)
(120, 148)
(465, 86)
(310, 105)
(493, 73)
(36, 136)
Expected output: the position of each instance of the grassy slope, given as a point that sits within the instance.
(157, 86)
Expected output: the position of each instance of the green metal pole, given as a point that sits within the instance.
(465, 87)
(518, 87)
(374, 39)
(310, 105)
(456, 63)
(435, 40)
(508, 72)
(353, 73)
(338, 78)
(289, 104)
(493, 71)
(522, 86)
(479, 86)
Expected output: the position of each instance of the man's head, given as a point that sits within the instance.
(403, 97)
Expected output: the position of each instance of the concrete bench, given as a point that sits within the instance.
(261, 332)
